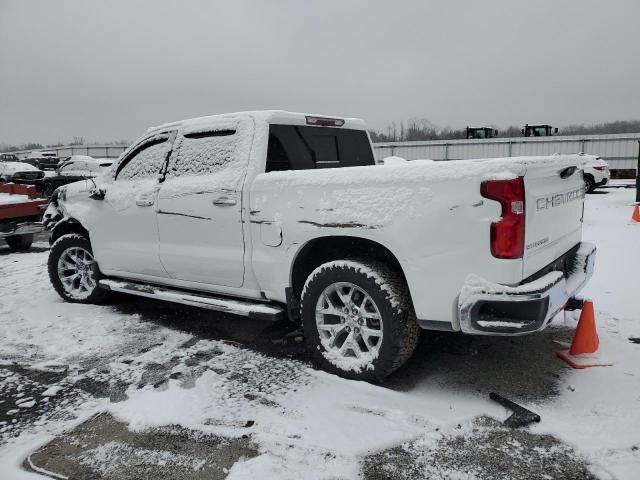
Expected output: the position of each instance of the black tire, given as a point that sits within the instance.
(390, 294)
(62, 245)
(589, 184)
(48, 188)
(20, 243)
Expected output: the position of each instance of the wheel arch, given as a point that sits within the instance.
(66, 226)
(336, 247)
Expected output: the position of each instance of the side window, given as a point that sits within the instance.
(203, 153)
(145, 162)
(294, 147)
(66, 167)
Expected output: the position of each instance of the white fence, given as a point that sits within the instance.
(619, 150)
(96, 151)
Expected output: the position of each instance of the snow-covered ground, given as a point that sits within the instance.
(61, 363)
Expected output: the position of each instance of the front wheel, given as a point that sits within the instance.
(20, 242)
(358, 319)
(72, 270)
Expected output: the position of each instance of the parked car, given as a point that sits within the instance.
(595, 172)
(273, 215)
(8, 157)
(44, 160)
(20, 215)
(77, 167)
(19, 172)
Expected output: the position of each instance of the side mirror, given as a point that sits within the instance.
(522, 131)
(97, 193)
(555, 130)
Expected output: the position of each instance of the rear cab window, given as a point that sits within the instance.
(303, 147)
(203, 152)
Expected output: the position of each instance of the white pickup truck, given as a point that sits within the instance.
(277, 215)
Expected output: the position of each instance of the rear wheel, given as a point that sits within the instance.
(589, 184)
(20, 242)
(358, 319)
(73, 271)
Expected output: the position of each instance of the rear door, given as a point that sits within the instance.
(200, 205)
(554, 199)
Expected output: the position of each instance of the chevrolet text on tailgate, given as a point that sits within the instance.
(277, 215)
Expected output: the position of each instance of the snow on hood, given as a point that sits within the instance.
(13, 167)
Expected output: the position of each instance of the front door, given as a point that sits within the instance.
(200, 206)
(124, 236)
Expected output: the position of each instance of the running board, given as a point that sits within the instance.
(258, 311)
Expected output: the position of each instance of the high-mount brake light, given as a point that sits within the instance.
(324, 121)
(507, 234)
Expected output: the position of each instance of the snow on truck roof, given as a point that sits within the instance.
(267, 116)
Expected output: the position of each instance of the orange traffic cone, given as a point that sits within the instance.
(635, 218)
(585, 342)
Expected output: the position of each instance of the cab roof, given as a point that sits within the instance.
(267, 116)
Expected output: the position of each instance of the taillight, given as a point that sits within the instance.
(324, 121)
(600, 167)
(507, 234)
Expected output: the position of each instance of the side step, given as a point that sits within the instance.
(258, 311)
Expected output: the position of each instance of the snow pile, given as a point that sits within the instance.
(102, 458)
(505, 175)
(39, 325)
(9, 199)
(394, 161)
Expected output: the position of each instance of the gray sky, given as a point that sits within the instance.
(107, 70)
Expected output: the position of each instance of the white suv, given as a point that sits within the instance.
(596, 173)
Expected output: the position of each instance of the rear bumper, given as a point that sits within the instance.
(486, 308)
(20, 228)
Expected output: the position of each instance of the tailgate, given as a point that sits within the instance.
(554, 207)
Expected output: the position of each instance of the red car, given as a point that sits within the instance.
(20, 215)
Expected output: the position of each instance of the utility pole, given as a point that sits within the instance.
(638, 176)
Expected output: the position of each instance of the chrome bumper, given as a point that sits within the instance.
(23, 228)
(486, 308)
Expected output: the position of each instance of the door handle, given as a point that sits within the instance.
(224, 201)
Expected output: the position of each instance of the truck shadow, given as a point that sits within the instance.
(522, 368)
(271, 338)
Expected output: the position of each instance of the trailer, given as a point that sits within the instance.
(20, 215)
